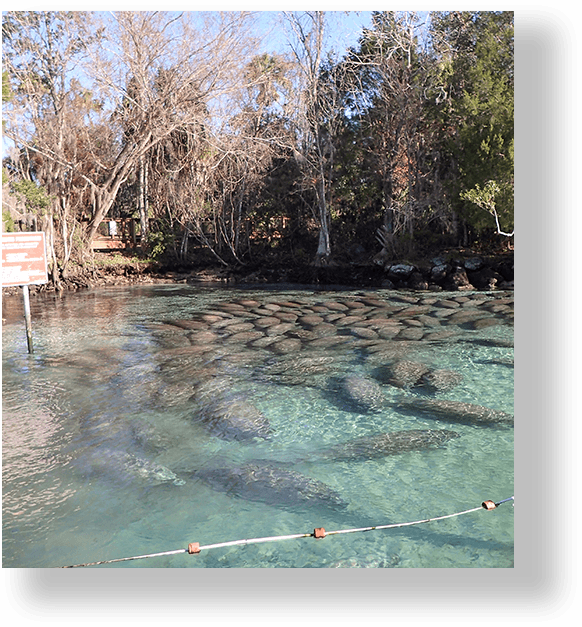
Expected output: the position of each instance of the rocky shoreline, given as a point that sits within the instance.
(458, 271)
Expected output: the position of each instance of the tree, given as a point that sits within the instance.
(200, 61)
(390, 79)
(318, 116)
(252, 138)
(178, 119)
(485, 199)
(198, 55)
(47, 111)
(477, 60)
(208, 178)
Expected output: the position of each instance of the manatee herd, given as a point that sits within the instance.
(358, 349)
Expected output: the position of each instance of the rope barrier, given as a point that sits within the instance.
(320, 532)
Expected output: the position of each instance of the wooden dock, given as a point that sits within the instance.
(125, 237)
(111, 243)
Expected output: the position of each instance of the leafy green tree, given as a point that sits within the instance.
(476, 54)
(486, 199)
(392, 77)
(36, 198)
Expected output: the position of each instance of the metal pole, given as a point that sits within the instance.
(26, 298)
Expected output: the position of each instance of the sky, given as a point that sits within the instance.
(344, 28)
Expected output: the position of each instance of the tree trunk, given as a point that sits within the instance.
(105, 195)
(49, 229)
(388, 218)
(324, 245)
(104, 199)
(142, 204)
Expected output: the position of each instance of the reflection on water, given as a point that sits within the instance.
(151, 417)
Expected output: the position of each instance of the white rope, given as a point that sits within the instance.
(317, 533)
(127, 559)
(416, 522)
(256, 540)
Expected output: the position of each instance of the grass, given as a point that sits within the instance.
(119, 259)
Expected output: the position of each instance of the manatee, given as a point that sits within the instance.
(500, 342)
(384, 444)
(123, 466)
(454, 411)
(228, 414)
(147, 436)
(272, 485)
(187, 325)
(302, 370)
(363, 392)
(406, 374)
(441, 380)
(234, 418)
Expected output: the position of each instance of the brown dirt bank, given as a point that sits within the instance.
(458, 269)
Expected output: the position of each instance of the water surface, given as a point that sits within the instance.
(108, 450)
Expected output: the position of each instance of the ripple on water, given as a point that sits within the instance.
(118, 369)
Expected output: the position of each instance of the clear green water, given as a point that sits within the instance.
(107, 379)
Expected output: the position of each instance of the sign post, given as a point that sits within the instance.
(27, 317)
(24, 264)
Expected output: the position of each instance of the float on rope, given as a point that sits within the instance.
(194, 548)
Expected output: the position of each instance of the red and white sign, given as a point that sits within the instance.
(23, 259)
